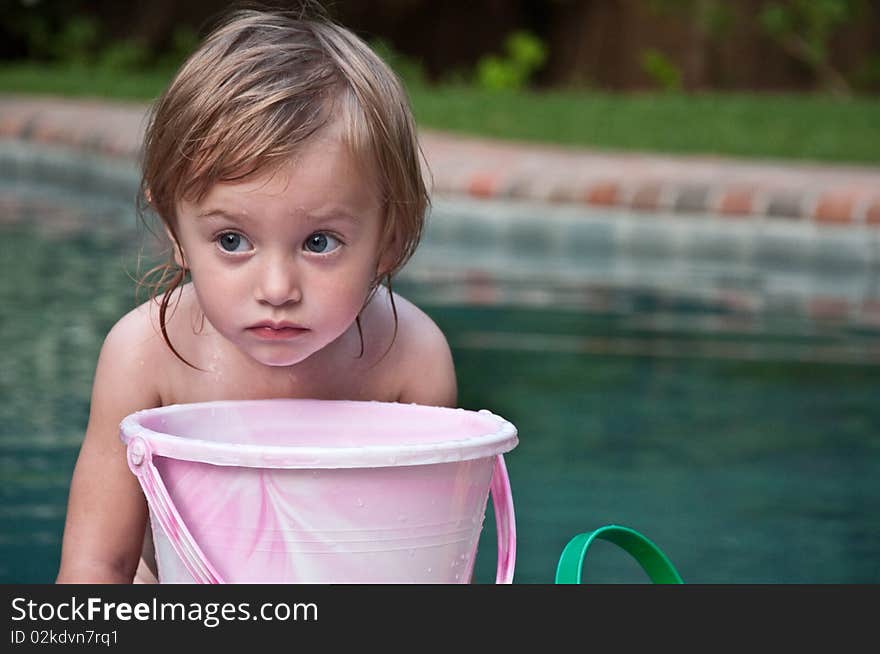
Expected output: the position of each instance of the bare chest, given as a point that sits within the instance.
(221, 379)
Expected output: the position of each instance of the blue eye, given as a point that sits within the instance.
(321, 243)
(233, 242)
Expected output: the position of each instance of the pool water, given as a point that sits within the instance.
(747, 456)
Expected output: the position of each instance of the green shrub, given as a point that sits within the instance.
(77, 41)
(804, 29)
(525, 54)
(662, 71)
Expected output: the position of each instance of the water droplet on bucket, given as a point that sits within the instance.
(360, 502)
(430, 569)
(412, 553)
(402, 518)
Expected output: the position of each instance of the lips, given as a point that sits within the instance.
(269, 330)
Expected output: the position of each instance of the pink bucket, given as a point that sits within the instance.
(319, 491)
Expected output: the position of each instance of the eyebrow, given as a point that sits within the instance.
(220, 213)
(335, 213)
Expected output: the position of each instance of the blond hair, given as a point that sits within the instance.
(258, 87)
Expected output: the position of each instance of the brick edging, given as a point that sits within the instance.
(730, 188)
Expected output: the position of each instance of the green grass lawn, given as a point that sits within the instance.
(765, 126)
(748, 125)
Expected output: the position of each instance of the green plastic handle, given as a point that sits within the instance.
(649, 556)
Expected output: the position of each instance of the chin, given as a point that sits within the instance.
(281, 361)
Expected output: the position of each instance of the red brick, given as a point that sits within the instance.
(12, 125)
(737, 202)
(483, 185)
(604, 193)
(872, 216)
(835, 209)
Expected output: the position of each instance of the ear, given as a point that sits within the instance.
(179, 259)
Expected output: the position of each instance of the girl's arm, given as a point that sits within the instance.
(107, 512)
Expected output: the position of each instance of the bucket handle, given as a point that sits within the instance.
(505, 522)
(140, 461)
(650, 557)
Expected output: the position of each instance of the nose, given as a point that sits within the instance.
(279, 282)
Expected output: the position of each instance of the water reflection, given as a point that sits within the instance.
(757, 467)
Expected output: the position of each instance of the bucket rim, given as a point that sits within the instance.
(502, 439)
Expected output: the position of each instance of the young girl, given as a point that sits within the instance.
(283, 163)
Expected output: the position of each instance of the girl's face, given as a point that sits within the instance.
(282, 264)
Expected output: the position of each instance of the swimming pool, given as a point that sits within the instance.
(702, 400)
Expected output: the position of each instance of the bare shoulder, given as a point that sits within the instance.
(128, 355)
(416, 329)
(133, 331)
(136, 338)
(136, 333)
(422, 362)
